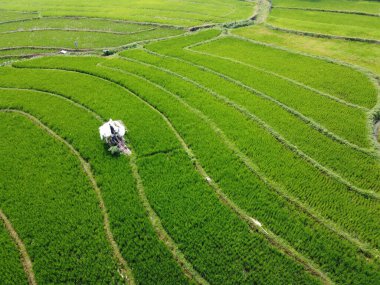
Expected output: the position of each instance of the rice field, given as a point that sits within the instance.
(254, 151)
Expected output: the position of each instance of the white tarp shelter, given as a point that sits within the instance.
(105, 129)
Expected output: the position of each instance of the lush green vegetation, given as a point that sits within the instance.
(369, 6)
(183, 13)
(70, 225)
(252, 162)
(357, 53)
(232, 232)
(67, 39)
(359, 26)
(24, 51)
(11, 269)
(10, 16)
(86, 24)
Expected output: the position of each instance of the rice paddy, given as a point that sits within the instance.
(254, 150)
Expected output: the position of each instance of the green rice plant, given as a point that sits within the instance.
(357, 53)
(24, 51)
(84, 40)
(339, 81)
(355, 166)
(52, 206)
(11, 269)
(201, 141)
(184, 13)
(201, 229)
(10, 16)
(73, 23)
(138, 243)
(238, 182)
(366, 27)
(368, 6)
(286, 93)
(277, 162)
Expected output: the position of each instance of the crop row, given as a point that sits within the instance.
(358, 53)
(74, 23)
(183, 13)
(66, 238)
(188, 208)
(327, 23)
(66, 39)
(357, 167)
(345, 5)
(202, 140)
(7, 16)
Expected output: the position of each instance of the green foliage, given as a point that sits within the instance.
(376, 116)
(358, 53)
(199, 230)
(184, 13)
(360, 169)
(132, 230)
(367, 27)
(114, 150)
(11, 269)
(369, 6)
(236, 180)
(52, 206)
(285, 137)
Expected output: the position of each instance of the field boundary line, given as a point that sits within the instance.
(290, 110)
(319, 35)
(126, 272)
(270, 130)
(281, 244)
(328, 11)
(24, 256)
(186, 266)
(279, 189)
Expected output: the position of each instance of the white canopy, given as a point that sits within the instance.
(105, 129)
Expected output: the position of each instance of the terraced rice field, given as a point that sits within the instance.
(254, 161)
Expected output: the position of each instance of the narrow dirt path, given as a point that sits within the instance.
(262, 11)
(24, 256)
(125, 271)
